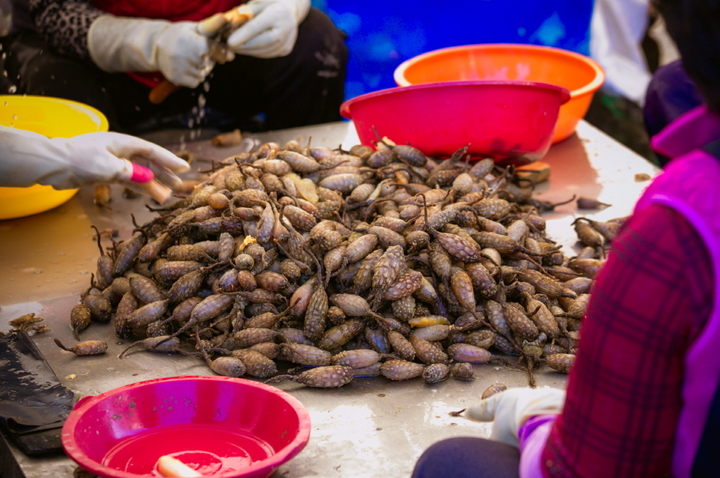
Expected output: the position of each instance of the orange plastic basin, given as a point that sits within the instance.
(579, 74)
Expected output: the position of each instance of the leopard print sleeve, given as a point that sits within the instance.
(64, 24)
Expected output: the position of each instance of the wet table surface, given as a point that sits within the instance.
(370, 428)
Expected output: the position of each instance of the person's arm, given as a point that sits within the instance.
(179, 50)
(649, 303)
(64, 24)
(28, 158)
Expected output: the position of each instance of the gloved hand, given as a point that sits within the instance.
(178, 50)
(511, 408)
(30, 158)
(272, 31)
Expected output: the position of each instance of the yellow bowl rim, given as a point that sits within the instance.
(103, 124)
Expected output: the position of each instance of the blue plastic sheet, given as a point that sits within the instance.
(383, 34)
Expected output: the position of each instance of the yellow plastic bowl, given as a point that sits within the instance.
(52, 117)
(577, 73)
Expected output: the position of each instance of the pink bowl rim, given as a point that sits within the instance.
(594, 85)
(399, 90)
(282, 456)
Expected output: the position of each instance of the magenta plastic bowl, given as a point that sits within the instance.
(509, 121)
(221, 426)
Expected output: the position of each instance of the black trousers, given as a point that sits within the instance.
(468, 457)
(303, 88)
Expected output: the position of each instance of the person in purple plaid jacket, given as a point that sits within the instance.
(643, 398)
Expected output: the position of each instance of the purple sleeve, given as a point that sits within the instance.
(532, 437)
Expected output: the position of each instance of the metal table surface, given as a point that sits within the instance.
(369, 428)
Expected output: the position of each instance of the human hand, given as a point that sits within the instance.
(180, 51)
(510, 409)
(116, 157)
(273, 29)
(183, 54)
(65, 163)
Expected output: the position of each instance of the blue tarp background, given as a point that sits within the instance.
(383, 34)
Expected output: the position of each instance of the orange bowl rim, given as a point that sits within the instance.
(594, 85)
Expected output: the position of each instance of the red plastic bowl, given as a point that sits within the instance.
(509, 121)
(221, 426)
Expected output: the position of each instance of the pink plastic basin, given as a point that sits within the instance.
(221, 426)
(509, 121)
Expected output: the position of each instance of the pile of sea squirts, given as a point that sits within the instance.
(339, 264)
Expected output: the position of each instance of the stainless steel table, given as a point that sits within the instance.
(371, 428)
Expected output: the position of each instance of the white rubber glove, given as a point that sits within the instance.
(64, 163)
(272, 31)
(124, 44)
(511, 408)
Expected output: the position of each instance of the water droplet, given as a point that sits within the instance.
(12, 89)
(84, 273)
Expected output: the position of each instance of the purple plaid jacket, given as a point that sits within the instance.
(642, 397)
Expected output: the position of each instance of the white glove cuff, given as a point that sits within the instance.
(298, 8)
(124, 44)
